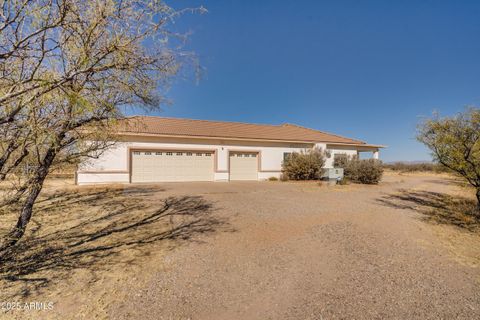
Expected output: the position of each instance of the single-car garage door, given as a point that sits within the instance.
(158, 166)
(243, 166)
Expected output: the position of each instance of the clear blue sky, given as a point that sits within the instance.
(363, 69)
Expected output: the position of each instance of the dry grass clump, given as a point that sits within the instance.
(416, 167)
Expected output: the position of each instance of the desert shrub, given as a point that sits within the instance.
(305, 165)
(283, 177)
(416, 167)
(367, 171)
(340, 160)
(273, 179)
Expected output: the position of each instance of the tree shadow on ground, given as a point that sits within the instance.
(437, 207)
(92, 229)
(452, 181)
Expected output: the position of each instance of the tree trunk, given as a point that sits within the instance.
(27, 208)
(478, 201)
(24, 218)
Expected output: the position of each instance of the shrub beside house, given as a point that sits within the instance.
(308, 165)
(367, 171)
(305, 165)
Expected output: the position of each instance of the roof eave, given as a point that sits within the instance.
(126, 133)
(366, 145)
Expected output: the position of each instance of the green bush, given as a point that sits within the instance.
(368, 171)
(273, 179)
(304, 165)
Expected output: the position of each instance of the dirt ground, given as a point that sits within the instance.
(405, 249)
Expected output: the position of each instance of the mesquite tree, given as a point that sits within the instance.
(69, 68)
(455, 143)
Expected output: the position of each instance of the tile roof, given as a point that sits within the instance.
(230, 130)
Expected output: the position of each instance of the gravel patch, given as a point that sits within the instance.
(303, 251)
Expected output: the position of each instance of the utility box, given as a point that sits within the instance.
(333, 173)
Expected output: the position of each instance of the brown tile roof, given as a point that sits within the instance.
(229, 130)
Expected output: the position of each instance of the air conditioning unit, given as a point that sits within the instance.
(333, 173)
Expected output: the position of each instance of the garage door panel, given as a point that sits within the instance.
(163, 166)
(243, 166)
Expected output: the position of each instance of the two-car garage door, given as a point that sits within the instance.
(158, 166)
(167, 166)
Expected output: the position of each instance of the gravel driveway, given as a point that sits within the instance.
(303, 251)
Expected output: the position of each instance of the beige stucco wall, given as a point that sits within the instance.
(113, 166)
(102, 170)
(338, 150)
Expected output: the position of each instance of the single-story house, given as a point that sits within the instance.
(158, 149)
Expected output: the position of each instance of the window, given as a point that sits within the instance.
(198, 154)
(148, 153)
(136, 153)
(179, 154)
(247, 156)
(189, 153)
(239, 155)
(208, 154)
(158, 153)
(254, 155)
(169, 154)
(286, 155)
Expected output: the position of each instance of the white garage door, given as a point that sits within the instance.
(158, 166)
(243, 166)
